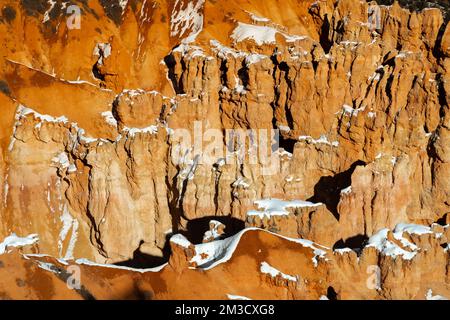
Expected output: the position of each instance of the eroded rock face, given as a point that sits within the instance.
(407, 262)
(155, 117)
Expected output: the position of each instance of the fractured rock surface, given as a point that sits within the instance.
(106, 133)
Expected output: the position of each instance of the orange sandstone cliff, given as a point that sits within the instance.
(275, 149)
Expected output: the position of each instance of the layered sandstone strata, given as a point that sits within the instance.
(105, 131)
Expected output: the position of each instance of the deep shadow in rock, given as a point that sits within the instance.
(143, 260)
(197, 227)
(443, 220)
(355, 242)
(328, 189)
(194, 233)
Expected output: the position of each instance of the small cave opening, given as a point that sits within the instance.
(196, 228)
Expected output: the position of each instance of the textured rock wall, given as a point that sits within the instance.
(92, 120)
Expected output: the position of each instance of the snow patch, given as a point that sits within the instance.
(277, 207)
(322, 140)
(109, 118)
(14, 241)
(268, 269)
(234, 297)
(184, 19)
(189, 51)
(389, 248)
(343, 250)
(213, 233)
(180, 240)
(260, 34)
(256, 18)
(429, 296)
(350, 110)
(123, 4)
(62, 160)
(209, 255)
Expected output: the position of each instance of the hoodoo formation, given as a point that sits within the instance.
(279, 149)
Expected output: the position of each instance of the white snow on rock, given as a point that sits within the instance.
(235, 297)
(62, 160)
(256, 18)
(239, 88)
(253, 58)
(268, 269)
(412, 229)
(123, 4)
(343, 250)
(180, 240)
(132, 92)
(14, 241)
(190, 51)
(277, 207)
(24, 111)
(389, 248)
(213, 233)
(112, 266)
(346, 190)
(322, 140)
(109, 118)
(350, 110)
(209, 255)
(187, 18)
(429, 296)
(223, 52)
(133, 131)
(260, 34)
